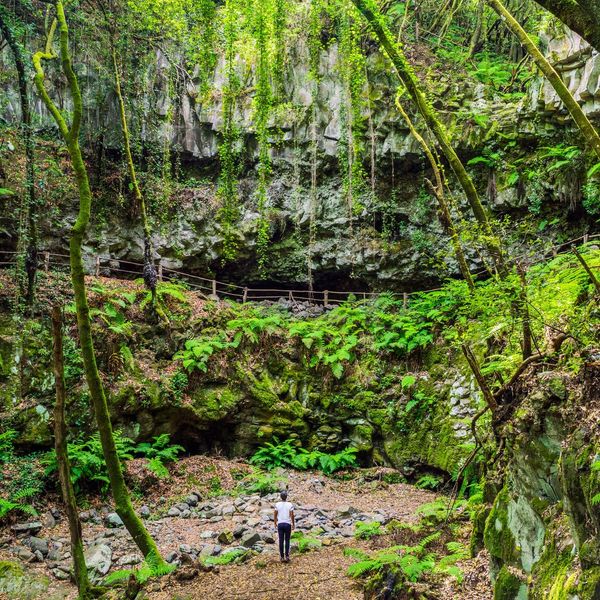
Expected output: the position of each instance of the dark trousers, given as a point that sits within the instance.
(285, 531)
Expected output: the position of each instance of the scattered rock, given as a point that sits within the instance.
(48, 520)
(98, 559)
(38, 545)
(249, 539)
(113, 520)
(27, 528)
(145, 512)
(225, 537)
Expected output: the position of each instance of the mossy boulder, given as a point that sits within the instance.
(18, 583)
(509, 587)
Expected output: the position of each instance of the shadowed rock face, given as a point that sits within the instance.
(393, 241)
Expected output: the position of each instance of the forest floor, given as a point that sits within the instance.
(331, 505)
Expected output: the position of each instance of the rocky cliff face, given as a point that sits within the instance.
(348, 250)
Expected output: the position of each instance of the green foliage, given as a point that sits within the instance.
(197, 351)
(7, 439)
(87, 461)
(228, 557)
(158, 452)
(411, 561)
(429, 482)
(286, 454)
(306, 542)
(261, 483)
(365, 531)
(142, 574)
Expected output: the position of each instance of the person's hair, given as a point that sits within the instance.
(284, 495)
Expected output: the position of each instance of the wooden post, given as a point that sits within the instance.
(554, 251)
(97, 266)
(245, 297)
(46, 261)
(290, 296)
(214, 287)
(160, 271)
(586, 237)
(405, 300)
(326, 298)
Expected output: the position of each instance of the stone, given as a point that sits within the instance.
(129, 559)
(60, 574)
(26, 555)
(98, 559)
(173, 512)
(39, 545)
(225, 537)
(267, 538)
(27, 528)
(185, 548)
(113, 520)
(344, 512)
(208, 534)
(48, 520)
(228, 509)
(192, 500)
(144, 511)
(239, 531)
(250, 538)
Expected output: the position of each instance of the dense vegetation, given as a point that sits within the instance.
(331, 147)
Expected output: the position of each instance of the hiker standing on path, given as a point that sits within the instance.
(285, 522)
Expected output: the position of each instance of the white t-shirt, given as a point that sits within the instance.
(283, 512)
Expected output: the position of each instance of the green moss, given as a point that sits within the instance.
(497, 535)
(215, 403)
(508, 586)
(589, 584)
(476, 542)
(12, 569)
(551, 571)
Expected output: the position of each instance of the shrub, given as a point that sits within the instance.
(158, 452)
(285, 454)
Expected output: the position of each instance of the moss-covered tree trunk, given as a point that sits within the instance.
(62, 457)
(150, 275)
(587, 129)
(27, 245)
(438, 191)
(394, 51)
(582, 16)
(70, 134)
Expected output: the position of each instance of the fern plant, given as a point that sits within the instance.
(198, 351)
(159, 452)
(286, 454)
(366, 531)
(305, 542)
(87, 461)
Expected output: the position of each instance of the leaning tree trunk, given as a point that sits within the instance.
(582, 16)
(27, 246)
(84, 586)
(438, 192)
(394, 51)
(150, 275)
(120, 492)
(587, 129)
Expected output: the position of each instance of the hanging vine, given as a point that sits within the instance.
(353, 122)
(263, 100)
(314, 73)
(229, 212)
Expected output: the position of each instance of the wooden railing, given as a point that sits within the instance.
(212, 288)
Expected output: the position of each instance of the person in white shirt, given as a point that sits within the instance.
(284, 522)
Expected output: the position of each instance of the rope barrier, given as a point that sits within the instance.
(220, 288)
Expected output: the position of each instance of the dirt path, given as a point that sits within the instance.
(317, 575)
(331, 506)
